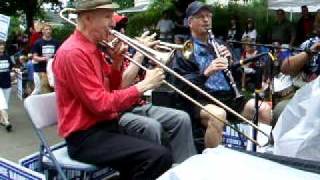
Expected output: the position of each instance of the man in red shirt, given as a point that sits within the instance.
(92, 95)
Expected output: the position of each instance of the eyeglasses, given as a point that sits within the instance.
(202, 16)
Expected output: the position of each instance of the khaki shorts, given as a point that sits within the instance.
(227, 99)
(45, 86)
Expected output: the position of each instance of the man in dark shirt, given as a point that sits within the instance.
(5, 86)
(282, 30)
(304, 25)
(43, 51)
(205, 69)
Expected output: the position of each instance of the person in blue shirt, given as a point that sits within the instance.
(30, 72)
(30, 68)
(5, 86)
(204, 69)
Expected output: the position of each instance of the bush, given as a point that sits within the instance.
(257, 10)
(61, 33)
(149, 19)
(14, 28)
(221, 18)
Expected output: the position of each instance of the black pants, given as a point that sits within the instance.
(104, 145)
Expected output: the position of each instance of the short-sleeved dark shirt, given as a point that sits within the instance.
(282, 32)
(44, 48)
(5, 69)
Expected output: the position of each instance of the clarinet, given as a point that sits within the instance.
(227, 71)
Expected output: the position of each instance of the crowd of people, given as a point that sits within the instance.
(99, 92)
(29, 57)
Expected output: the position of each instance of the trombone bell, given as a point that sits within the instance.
(164, 57)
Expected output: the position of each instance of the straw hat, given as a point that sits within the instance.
(87, 5)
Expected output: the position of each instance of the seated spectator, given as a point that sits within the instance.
(248, 69)
(250, 30)
(235, 34)
(165, 27)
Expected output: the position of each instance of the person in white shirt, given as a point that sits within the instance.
(165, 27)
(250, 31)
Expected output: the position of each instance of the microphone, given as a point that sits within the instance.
(271, 46)
(248, 60)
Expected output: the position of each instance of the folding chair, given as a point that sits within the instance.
(42, 113)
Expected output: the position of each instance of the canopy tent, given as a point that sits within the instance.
(220, 2)
(294, 5)
(134, 9)
(143, 5)
(139, 6)
(226, 2)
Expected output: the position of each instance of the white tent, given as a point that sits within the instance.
(226, 2)
(294, 5)
(139, 6)
(221, 2)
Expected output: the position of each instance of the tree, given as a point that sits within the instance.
(29, 7)
(125, 3)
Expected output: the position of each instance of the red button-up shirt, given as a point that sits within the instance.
(87, 88)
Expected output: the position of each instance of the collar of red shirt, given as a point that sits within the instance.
(90, 46)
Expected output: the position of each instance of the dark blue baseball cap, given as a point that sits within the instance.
(195, 7)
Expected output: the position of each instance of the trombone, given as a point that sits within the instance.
(154, 56)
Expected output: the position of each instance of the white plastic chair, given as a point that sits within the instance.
(42, 113)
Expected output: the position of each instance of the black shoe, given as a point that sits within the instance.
(9, 128)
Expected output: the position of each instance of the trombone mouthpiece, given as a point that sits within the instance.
(111, 31)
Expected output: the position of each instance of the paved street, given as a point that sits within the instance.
(22, 140)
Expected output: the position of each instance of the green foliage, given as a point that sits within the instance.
(62, 32)
(125, 3)
(10, 7)
(28, 7)
(13, 28)
(221, 19)
(257, 10)
(137, 22)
